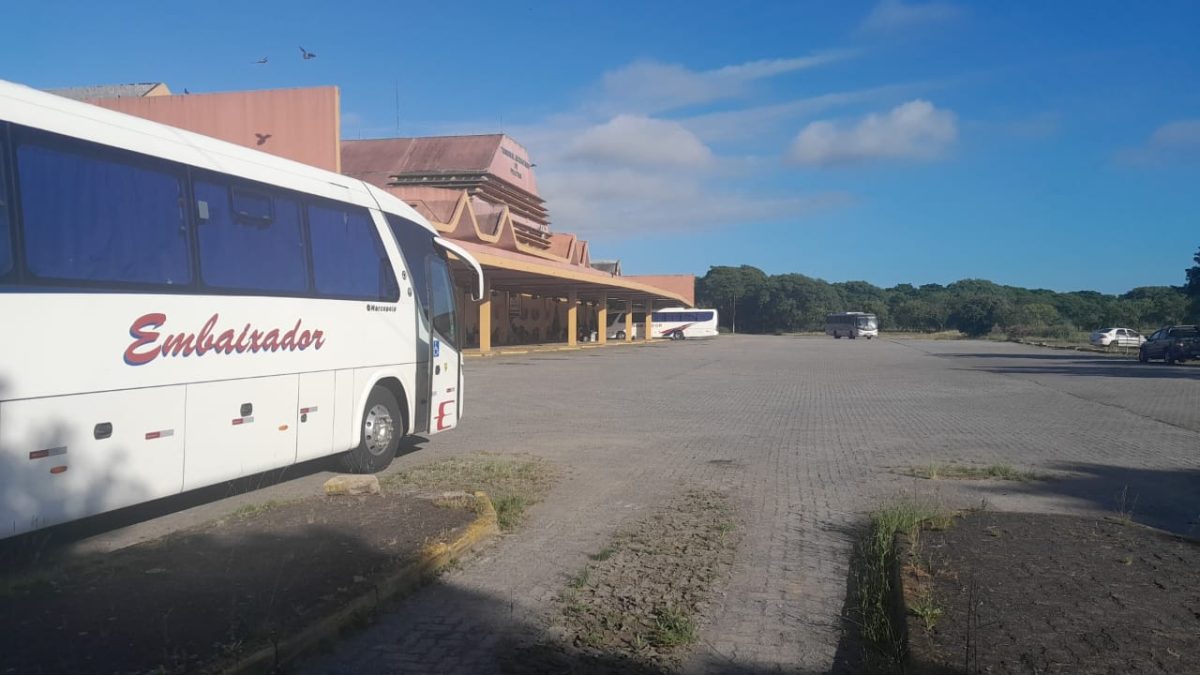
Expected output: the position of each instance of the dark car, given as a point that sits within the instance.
(1172, 344)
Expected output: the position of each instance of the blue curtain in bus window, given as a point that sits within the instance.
(250, 240)
(92, 219)
(348, 259)
(6, 257)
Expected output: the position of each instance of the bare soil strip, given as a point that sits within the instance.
(640, 599)
(1028, 593)
(213, 593)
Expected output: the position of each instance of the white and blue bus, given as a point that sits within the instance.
(852, 325)
(180, 311)
(673, 323)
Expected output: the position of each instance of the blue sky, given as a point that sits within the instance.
(1052, 145)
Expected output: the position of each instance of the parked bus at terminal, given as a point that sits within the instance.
(181, 311)
(674, 323)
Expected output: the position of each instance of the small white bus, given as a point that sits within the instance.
(852, 325)
(180, 311)
(674, 323)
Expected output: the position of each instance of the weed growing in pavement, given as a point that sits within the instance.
(510, 509)
(672, 628)
(250, 510)
(1125, 506)
(960, 472)
(580, 580)
(603, 555)
(873, 577)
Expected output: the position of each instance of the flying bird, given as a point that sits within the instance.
(262, 138)
(262, 60)
(307, 54)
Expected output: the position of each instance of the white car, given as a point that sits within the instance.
(1117, 337)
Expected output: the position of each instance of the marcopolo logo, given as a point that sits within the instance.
(150, 343)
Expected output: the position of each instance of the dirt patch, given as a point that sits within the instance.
(214, 592)
(641, 598)
(1024, 593)
(514, 482)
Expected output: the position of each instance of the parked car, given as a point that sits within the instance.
(1172, 344)
(1117, 337)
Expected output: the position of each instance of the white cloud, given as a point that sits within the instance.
(915, 130)
(894, 16)
(651, 86)
(619, 203)
(752, 122)
(640, 141)
(1177, 141)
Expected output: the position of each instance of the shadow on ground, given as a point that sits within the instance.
(47, 543)
(1168, 500)
(1079, 366)
(451, 631)
(214, 592)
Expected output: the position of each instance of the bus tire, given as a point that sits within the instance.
(837, 335)
(382, 427)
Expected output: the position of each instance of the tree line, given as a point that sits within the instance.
(750, 300)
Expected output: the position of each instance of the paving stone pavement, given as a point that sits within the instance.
(807, 435)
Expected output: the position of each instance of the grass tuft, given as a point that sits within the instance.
(250, 510)
(937, 471)
(604, 554)
(513, 482)
(873, 576)
(672, 628)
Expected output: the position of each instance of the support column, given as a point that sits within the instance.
(602, 319)
(649, 311)
(629, 321)
(485, 319)
(572, 318)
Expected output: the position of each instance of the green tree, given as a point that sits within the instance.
(975, 315)
(1192, 288)
(727, 289)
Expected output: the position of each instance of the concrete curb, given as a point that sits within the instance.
(432, 559)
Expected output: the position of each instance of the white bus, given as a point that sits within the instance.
(675, 323)
(852, 325)
(180, 311)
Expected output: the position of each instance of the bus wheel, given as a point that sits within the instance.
(382, 426)
(837, 335)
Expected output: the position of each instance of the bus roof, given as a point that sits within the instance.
(41, 110)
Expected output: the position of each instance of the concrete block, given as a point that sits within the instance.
(352, 485)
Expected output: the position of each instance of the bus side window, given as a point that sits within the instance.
(6, 247)
(250, 241)
(347, 254)
(91, 214)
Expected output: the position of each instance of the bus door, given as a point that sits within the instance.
(445, 362)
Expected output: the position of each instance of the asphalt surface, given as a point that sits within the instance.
(807, 435)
